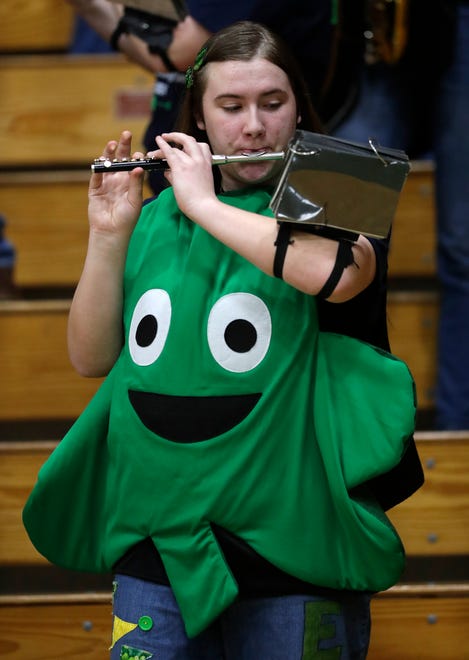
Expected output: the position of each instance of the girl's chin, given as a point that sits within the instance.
(256, 172)
(241, 176)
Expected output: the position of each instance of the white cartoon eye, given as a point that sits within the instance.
(239, 331)
(149, 326)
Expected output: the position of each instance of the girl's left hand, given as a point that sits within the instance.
(190, 170)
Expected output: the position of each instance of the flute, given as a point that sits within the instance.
(102, 164)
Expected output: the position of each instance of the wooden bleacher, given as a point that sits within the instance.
(39, 26)
(428, 621)
(413, 325)
(59, 111)
(413, 244)
(435, 521)
(38, 379)
(47, 215)
(71, 626)
(19, 466)
(413, 299)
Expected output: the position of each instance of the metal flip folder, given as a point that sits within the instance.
(333, 184)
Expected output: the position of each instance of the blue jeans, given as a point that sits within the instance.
(386, 111)
(147, 624)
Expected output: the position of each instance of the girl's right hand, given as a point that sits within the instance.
(115, 198)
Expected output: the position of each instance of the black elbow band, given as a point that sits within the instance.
(343, 259)
(282, 242)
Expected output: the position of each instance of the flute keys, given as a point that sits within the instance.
(103, 162)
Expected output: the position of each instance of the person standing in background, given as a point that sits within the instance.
(418, 100)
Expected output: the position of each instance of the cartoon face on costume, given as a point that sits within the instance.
(238, 334)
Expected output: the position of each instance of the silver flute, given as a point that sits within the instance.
(102, 164)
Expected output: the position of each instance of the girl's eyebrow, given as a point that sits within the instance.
(229, 95)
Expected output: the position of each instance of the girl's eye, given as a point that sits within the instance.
(231, 108)
(273, 105)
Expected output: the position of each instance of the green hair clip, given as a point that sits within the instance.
(199, 61)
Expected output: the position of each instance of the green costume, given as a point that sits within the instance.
(227, 406)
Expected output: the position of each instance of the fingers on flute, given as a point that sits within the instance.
(109, 150)
(124, 145)
(118, 148)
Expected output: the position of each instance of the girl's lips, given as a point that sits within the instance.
(250, 152)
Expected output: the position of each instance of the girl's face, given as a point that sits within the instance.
(247, 107)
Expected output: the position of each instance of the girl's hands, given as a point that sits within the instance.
(115, 199)
(190, 170)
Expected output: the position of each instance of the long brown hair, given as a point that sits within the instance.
(243, 41)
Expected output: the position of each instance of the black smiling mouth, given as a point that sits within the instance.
(191, 418)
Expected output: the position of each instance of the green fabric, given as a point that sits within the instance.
(331, 413)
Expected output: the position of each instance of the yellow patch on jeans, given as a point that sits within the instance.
(120, 628)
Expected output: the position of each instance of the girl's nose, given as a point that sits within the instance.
(254, 124)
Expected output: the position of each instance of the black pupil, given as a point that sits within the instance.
(240, 336)
(146, 331)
